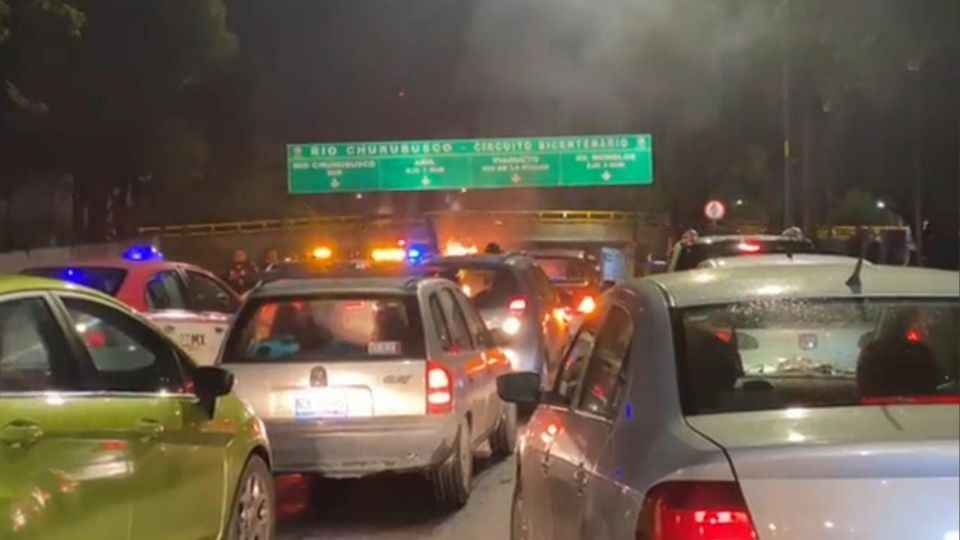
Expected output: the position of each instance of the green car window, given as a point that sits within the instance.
(29, 341)
(128, 355)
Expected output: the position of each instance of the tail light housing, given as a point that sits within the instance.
(517, 305)
(695, 511)
(439, 389)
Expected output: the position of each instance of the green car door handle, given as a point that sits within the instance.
(20, 433)
(149, 428)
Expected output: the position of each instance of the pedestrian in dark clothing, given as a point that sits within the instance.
(243, 275)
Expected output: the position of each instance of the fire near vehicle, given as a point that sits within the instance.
(189, 304)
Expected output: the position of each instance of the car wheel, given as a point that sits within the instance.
(519, 527)
(453, 480)
(252, 516)
(503, 440)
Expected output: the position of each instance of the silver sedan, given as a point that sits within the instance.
(773, 403)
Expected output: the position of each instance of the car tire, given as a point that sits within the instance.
(453, 480)
(503, 440)
(252, 514)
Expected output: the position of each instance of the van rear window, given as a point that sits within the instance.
(340, 327)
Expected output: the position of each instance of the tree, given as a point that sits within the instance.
(111, 92)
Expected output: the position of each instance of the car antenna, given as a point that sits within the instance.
(854, 281)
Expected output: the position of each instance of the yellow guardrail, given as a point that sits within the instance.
(268, 225)
(243, 227)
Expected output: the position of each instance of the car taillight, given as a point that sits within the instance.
(587, 305)
(439, 389)
(748, 247)
(518, 305)
(911, 400)
(695, 511)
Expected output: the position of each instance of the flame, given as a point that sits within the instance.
(453, 247)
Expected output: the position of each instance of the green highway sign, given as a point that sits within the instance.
(591, 160)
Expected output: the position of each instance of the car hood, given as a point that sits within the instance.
(879, 472)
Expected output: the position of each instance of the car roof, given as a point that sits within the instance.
(720, 238)
(722, 285)
(20, 283)
(116, 262)
(372, 285)
(558, 253)
(777, 259)
(500, 259)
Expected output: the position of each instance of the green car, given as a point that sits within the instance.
(108, 430)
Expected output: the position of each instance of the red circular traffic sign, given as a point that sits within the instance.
(714, 210)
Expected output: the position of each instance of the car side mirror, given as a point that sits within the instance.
(522, 387)
(211, 383)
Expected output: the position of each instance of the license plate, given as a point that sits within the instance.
(321, 403)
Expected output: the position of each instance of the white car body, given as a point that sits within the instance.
(882, 472)
(778, 259)
(376, 416)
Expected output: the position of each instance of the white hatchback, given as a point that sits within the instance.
(786, 402)
(360, 376)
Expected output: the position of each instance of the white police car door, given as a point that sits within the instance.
(198, 332)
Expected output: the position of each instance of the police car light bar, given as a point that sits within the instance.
(143, 253)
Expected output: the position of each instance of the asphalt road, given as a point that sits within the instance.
(394, 507)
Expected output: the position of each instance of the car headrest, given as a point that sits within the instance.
(897, 367)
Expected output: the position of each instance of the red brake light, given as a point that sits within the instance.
(587, 305)
(518, 304)
(911, 400)
(914, 336)
(725, 336)
(695, 511)
(439, 389)
(748, 246)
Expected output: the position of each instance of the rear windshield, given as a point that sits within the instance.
(815, 353)
(341, 327)
(104, 279)
(566, 269)
(488, 287)
(692, 255)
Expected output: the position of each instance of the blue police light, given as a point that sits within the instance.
(414, 253)
(143, 253)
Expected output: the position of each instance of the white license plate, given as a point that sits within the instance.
(320, 403)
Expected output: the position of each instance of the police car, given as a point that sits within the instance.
(189, 304)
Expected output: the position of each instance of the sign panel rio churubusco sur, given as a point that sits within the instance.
(594, 160)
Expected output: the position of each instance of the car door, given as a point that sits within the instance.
(541, 434)
(212, 306)
(178, 451)
(495, 360)
(555, 330)
(465, 360)
(586, 426)
(67, 454)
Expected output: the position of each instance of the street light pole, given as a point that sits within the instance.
(787, 169)
(913, 67)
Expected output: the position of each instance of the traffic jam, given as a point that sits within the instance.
(748, 386)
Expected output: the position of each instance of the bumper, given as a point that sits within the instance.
(360, 447)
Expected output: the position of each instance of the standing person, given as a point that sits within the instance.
(270, 260)
(243, 274)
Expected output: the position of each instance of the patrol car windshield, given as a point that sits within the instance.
(814, 353)
(104, 279)
(568, 269)
(692, 255)
(342, 327)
